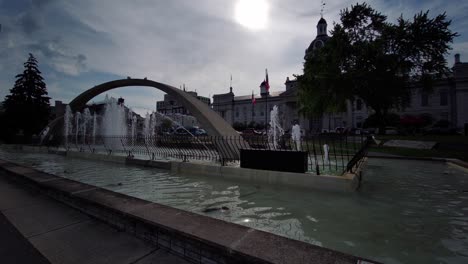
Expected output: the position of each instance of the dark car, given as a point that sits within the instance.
(180, 131)
(189, 131)
(251, 132)
(441, 127)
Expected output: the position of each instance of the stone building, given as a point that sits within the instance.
(240, 109)
(171, 106)
(447, 101)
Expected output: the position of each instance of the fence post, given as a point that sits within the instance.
(123, 145)
(317, 167)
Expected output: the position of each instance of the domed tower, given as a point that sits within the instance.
(320, 40)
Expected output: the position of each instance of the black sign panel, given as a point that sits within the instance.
(290, 161)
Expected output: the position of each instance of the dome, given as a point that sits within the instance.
(322, 21)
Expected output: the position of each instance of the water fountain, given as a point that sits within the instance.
(68, 126)
(77, 126)
(84, 126)
(118, 128)
(296, 136)
(94, 128)
(44, 133)
(326, 150)
(114, 121)
(276, 131)
(148, 129)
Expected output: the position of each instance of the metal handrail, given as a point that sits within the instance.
(345, 152)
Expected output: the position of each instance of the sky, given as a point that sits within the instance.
(80, 44)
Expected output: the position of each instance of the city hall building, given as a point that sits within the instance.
(447, 101)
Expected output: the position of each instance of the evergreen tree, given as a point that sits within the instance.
(375, 60)
(27, 107)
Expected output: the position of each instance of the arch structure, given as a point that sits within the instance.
(214, 124)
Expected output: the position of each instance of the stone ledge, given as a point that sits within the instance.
(346, 183)
(278, 178)
(408, 158)
(197, 238)
(96, 156)
(149, 163)
(458, 164)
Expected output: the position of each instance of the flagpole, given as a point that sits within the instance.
(266, 113)
(267, 90)
(252, 108)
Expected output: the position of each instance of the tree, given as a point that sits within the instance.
(377, 61)
(27, 107)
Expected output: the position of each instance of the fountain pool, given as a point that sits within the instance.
(415, 215)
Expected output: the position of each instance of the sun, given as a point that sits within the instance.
(252, 14)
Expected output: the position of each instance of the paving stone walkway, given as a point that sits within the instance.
(37, 229)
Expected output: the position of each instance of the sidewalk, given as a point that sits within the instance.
(14, 248)
(37, 229)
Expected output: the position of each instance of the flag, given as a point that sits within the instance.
(267, 83)
(253, 99)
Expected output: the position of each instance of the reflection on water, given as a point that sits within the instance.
(406, 211)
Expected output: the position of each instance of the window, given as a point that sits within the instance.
(443, 98)
(261, 113)
(237, 114)
(424, 99)
(253, 113)
(359, 104)
(444, 116)
(359, 122)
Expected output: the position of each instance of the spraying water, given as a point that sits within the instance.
(84, 126)
(296, 136)
(68, 126)
(114, 119)
(94, 128)
(77, 126)
(326, 150)
(276, 131)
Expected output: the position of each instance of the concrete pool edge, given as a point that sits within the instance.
(347, 183)
(195, 237)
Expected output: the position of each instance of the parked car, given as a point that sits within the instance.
(188, 131)
(201, 132)
(180, 131)
(359, 131)
(340, 130)
(441, 127)
(251, 132)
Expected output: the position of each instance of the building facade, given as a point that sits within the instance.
(244, 110)
(240, 109)
(447, 101)
(171, 106)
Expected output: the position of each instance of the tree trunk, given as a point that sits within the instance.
(381, 120)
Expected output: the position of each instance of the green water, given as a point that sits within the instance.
(405, 212)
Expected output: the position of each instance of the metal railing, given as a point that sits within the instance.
(345, 152)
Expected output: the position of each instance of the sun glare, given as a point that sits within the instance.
(252, 14)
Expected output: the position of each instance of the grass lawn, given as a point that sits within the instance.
(445, 152)
(437, 138)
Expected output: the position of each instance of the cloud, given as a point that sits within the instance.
(83, 43)
(59, 56)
